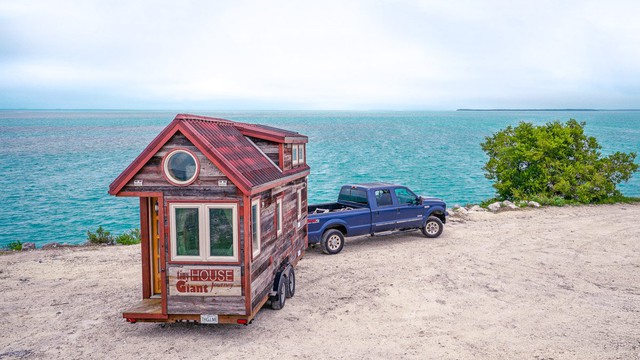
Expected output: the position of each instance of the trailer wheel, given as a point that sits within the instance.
(278, 301)
(433, 227)
(332, 241)
(291, 284)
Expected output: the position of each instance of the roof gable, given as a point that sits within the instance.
(224, 144)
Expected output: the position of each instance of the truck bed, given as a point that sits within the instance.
(331, 207)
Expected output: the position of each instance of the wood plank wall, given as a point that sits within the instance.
(270, 148)
(276, 250)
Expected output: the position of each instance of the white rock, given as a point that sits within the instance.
(477, 208)
(462, 211)
(456, 206)
(507, 203)
(534, 204)
(511, 207)
(28, 246)
(494, 207)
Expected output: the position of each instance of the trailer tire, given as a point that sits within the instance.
(278, 301)
(433, 227)
(291, 284)
(332, 241)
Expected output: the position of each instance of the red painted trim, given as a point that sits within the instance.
(260, 135)
(168, 178)
(145, 246)
(163, 251)
(204, 263)
(170, 260)
(281, 156)
(247, 255)
(139, 316)
(279, 182)
(139, 194)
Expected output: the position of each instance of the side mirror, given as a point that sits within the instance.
(418, 200)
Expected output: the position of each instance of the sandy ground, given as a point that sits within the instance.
(554, 283)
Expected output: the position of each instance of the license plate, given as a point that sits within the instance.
(208, 319)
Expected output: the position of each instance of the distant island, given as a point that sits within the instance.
(527, 110)
(547, 109)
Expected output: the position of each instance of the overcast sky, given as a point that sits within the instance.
(331, 55)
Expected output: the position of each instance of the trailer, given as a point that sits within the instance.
(223, 209)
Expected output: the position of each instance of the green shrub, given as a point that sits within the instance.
(100, 237)
(129, 238)
(14, 245)
(554, 162)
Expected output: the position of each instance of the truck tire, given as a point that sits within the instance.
(291, 283)
(433, 227)
(332, 241)
(277, 302)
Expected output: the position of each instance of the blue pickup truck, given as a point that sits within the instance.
(373, 208)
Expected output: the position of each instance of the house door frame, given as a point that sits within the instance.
(155, 259)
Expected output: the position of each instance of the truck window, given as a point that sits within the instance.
(383, 197)
(353, 195)
(405, 196)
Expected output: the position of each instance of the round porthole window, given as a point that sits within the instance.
(181, 167)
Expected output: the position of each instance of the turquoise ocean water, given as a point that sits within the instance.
(56, 166)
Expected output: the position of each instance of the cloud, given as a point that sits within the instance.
(320, 55)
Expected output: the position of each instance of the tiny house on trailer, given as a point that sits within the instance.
(223, 209)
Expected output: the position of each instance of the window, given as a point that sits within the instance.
(294, 154)
(353, 195)
(383, 197)
(279, 217)
(301, 154)
(204, 232)
(405, 196)
(297, 154)
(299, 204)
(255, 226)
(180, 167)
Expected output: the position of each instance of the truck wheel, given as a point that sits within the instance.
(433, 227)
(332, 241)
(291, 284)
(277, 302)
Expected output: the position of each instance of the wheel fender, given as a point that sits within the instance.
(332, 223)
(436, 210)
(276, 281)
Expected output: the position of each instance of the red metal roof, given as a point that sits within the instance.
(224, 143)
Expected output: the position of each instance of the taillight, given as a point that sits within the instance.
(242, 321)
(313, 221)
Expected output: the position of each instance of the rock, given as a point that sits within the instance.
(509, 207)
(494, 207)
(507, 203)
(477, 208)
(28, 246)
(461, 211)
(52, 245)
(456, 206)
(534, 204)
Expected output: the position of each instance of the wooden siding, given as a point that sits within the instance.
(287, 154)
(151, 174)
(278, 250)
(223, 305)
(270, 148)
